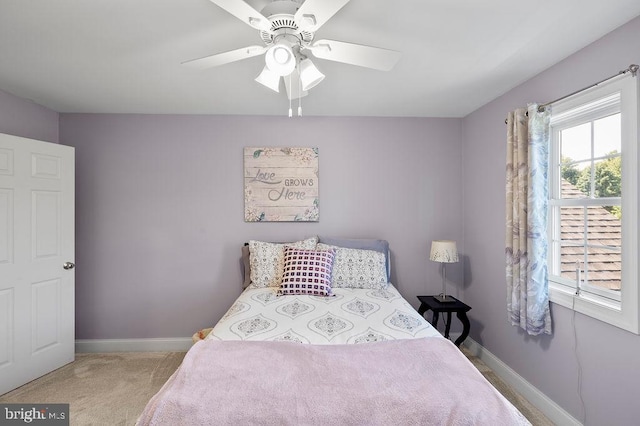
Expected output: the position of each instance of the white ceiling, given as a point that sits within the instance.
(124, 56)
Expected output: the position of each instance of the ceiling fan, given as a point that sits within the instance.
(287, 29)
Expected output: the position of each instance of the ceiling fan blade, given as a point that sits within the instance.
(314, 13)
(355, 54)
(245, 13)
(226, 57)
(293, 86)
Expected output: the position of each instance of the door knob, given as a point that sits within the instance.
(68, 265)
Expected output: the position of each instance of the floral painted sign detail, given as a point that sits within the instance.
(280, 184)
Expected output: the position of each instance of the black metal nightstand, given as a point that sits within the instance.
(460, 308)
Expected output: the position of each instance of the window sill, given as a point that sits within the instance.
(596, 307)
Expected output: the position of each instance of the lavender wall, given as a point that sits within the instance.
(608, 355)
(160, 208)
(27, 119)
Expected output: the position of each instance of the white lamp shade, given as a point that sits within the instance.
(310, 76)
(280, 59)
(269, 79)
(444, 251)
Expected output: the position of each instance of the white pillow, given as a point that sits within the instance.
(357, 268)
(267, 261)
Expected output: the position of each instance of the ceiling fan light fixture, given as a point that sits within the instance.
(269, 79)
(310, 76)
(280, 59)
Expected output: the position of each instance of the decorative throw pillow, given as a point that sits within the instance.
(307, 272)
(267, 261)
(356, 268)
(362, 244)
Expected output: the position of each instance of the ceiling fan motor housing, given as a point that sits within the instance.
(281, 15)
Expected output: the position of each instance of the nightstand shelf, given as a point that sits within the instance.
(431, 303)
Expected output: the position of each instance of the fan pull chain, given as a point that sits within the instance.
(290, 110)
(299, 97)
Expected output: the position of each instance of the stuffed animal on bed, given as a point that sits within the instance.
(200, 335)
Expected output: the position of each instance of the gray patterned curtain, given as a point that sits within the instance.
(526, 219)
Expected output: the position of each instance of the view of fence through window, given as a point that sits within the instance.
(591, 231)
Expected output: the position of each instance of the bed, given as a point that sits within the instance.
(334, 343)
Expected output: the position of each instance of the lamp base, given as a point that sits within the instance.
(443, 298)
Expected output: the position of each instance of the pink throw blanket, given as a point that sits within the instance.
(424, 381)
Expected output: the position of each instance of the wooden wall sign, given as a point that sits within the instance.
(280, 184)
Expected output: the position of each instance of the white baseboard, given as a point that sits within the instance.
(177, 344)
(553, 411)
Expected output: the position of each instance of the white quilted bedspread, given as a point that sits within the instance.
(351, 316)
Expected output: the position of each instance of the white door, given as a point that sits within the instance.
(37, 190)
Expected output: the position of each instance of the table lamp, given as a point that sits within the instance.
(444, 251)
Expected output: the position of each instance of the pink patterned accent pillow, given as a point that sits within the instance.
(307, 272)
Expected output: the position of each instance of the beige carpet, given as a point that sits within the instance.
(535, 416)
(102, 389)
(113, 388)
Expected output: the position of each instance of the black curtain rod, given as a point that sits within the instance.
(633, 69)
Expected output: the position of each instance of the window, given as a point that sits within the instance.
(593, 206)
